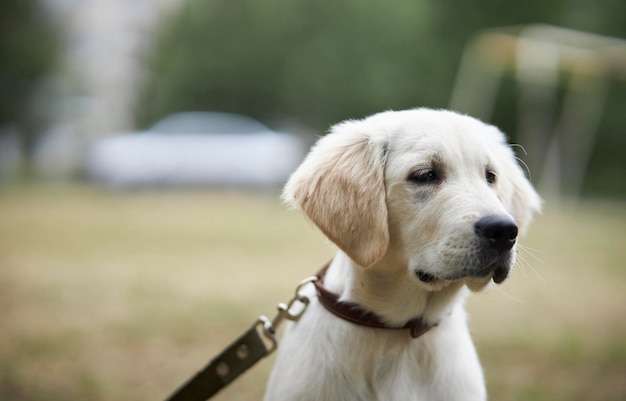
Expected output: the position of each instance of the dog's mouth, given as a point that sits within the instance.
(498, 275)
(425, 277)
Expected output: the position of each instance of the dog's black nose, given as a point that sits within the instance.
(499, 231)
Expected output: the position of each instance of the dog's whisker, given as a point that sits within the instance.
(525, 266)
(517, 145)
(532, 253)
(524, 262)
(526, 247)
(508, 295)
(523, 163)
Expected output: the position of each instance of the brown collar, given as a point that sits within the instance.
(356, 314)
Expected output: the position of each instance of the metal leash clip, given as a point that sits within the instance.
(293, 311)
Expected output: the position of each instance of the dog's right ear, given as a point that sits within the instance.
(340, 187)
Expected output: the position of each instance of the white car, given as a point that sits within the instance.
(196, 149)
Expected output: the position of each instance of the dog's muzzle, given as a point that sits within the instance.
(496, 235)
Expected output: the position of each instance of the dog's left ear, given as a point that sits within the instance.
(340, 187)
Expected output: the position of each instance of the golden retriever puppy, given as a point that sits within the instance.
(423, 204)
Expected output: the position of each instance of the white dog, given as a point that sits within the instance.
(422, 204)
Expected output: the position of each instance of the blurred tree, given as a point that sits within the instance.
(28, 49)
(324, 61)
(318, 61)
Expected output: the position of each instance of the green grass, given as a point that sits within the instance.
(122, 296)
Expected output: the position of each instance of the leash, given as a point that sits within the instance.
(252, 346)
(243, 353)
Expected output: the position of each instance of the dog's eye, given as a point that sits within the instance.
(425, 176)
(490, 176)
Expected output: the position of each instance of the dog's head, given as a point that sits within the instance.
(440, 192)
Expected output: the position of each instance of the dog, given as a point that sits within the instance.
(425, 206)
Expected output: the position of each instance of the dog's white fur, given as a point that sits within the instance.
(356, 185)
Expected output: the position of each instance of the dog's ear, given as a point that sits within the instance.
(521, 198)
(340, 187)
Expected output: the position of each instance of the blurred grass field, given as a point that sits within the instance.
(123, 296)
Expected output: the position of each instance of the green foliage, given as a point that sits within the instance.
(318, 61)
(27, 50)
(324, 61)
(321, 62)
(28, 53)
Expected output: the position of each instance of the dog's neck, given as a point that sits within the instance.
(388, 290)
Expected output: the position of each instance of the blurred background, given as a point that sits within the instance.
(143, 145)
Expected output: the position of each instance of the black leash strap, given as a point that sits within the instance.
(238, 357)
(243, 353)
